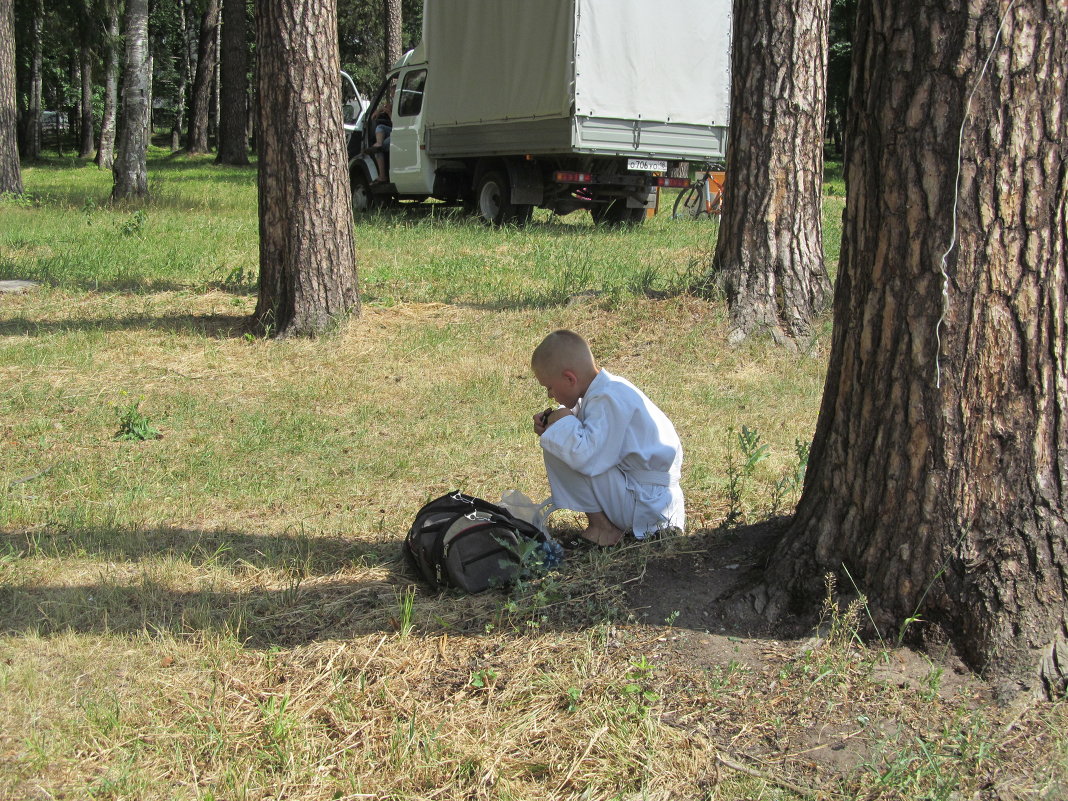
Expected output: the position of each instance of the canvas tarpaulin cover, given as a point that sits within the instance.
(495, 60)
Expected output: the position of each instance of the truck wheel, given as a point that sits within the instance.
(363, 201)
(493, 201)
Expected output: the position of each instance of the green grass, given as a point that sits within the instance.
(222, 611)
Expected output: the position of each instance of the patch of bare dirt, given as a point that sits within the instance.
(691, 586)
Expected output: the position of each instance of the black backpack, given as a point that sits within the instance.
(465, 542)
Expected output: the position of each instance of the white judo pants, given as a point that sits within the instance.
(629, 505)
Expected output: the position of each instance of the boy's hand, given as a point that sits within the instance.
(542, 420)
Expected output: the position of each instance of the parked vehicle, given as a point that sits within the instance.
(508, 105)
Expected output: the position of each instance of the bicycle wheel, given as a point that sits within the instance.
(689, 205)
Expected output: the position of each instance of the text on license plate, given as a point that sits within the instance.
(646, 165)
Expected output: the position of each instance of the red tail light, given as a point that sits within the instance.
(562, 177)
(676, 182)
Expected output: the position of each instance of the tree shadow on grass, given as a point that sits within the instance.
(213, 326)
(261, 589)
(290, 590)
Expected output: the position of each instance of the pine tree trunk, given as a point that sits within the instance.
(233, 146)
(105, 152)
(10, 169)
(85, 106)
(205, 70)
(770, 249)
(130, 167)
(36, 82)
(216, 85)
(183, 79)
(939, 470)
(392, 16)
(308, 274)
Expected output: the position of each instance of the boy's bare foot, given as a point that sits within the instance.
(600, 530)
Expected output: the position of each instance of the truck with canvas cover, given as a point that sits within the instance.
(507, 105)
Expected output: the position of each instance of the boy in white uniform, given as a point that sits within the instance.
(609, 451)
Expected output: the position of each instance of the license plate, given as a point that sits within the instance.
(646, 165)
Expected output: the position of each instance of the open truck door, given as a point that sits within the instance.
(353, 105)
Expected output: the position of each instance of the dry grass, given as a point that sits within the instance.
(218, 613)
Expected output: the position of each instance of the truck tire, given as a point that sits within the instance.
(493, 201)
(363, 202)
(617, 213)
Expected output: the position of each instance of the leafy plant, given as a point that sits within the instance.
(134, 426)
(638, 689)
(135, 225)
(571, 698)
(740, 472)
(484, 679)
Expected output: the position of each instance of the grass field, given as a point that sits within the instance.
(201, 589)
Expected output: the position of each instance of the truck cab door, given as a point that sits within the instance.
(353, 105)
(409, 169)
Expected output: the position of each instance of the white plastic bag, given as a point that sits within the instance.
(524, 508)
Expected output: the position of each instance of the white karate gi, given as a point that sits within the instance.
(619, 454)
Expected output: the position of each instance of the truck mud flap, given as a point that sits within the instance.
(527, 186)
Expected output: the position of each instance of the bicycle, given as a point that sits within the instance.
(703, 196)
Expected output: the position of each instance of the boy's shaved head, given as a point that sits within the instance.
(563, 350)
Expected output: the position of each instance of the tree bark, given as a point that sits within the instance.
(216, 85)
(939, 467)
(36, 81)
(105, 152)
(130, 168)
(392, 17)
(10, 169)
(183, 78)
(85, 105)
(205, 71)
(308, 274)
(770, 249)
(233, 146)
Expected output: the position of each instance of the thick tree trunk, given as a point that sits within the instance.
(391, 12)
(205, 71)
(233, 146)
(307, 259)
(770, 249)
(939, 470)
(85, 105)
(130, 167)
(105, 152)
(10, 169)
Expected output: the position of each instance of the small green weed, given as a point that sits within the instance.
(571, 699)
(135, 225)
(406, 607)
(638, 690)
(24, 200)
(740, 472)
(134, 426)
(485, 679)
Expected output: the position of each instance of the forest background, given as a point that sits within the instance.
(175, 31)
